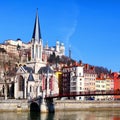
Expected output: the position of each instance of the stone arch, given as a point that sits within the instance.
(34, 107)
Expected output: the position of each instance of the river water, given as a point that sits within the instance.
(81, 115)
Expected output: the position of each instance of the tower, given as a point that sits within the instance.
(36, 47)
(36, 43)
(69, 52)
(57, 46)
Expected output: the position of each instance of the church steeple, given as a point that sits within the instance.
(36, 37)
(36, 44)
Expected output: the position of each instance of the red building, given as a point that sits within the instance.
(116, 78)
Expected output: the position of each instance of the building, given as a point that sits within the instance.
(89, 80)
(100, 88)
(72, 79)
(59, 77)
(79, 78)
(104, 84)
(58, 49)
(38, 77)
(11, 46)
(116, 77)
(109, 87)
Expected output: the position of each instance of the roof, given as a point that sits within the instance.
(30, 78)
(36, 32)
(45, 70)
(28, 69)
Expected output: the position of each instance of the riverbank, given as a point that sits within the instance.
(65, 105)
(13, 105)
(72, 105)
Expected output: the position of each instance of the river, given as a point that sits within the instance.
(81, 115)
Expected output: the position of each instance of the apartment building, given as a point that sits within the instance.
(116, 77)
(100, 88)
(79, 78)
(89, 80)
(72, 79)
(109, 87)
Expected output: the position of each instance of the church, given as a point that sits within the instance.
(36, 78)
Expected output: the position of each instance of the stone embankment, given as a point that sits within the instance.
(13, 105)
(65, 105)
(70, 105)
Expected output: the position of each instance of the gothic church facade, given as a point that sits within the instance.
(36, 78)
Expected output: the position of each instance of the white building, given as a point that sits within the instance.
(77, 81)
(73, 80)
(58, 49)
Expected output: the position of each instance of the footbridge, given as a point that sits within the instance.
(41, 104)
(85, 93)
(46, 104)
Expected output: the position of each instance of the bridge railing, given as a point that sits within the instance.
(86, 93)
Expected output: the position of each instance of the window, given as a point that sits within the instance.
(73, 83)
(79, 74)
(32, 51)
(40, 88)
(21, 84)
(30, 88)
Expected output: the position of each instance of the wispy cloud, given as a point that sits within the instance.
(69, 34)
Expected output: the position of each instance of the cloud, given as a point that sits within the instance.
(70, 33)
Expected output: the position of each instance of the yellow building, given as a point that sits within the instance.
(59, 78)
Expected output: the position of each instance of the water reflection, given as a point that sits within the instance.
(34, 116)
(38, 116)
(81, 115)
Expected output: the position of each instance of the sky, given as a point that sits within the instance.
(90, 28)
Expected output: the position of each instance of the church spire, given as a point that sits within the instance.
(36, 37)
(36, 44)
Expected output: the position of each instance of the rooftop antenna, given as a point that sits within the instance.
(69, 51)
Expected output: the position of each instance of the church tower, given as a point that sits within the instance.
(36, 47)
(36, 43)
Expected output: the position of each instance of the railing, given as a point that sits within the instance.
(85, 93)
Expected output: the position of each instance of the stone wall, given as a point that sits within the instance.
(13, 105)
(65, 105)
(86, 105)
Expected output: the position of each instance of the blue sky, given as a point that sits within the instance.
(90, 27)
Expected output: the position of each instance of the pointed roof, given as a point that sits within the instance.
(45, 70)
(28, 69)
(36, 33)
(31, 78)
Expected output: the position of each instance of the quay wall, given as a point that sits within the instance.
(58, 105)
(71, 105)
(13, 105)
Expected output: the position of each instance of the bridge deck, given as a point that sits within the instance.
(88, 93)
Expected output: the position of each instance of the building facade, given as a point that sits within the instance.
(73, 80)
